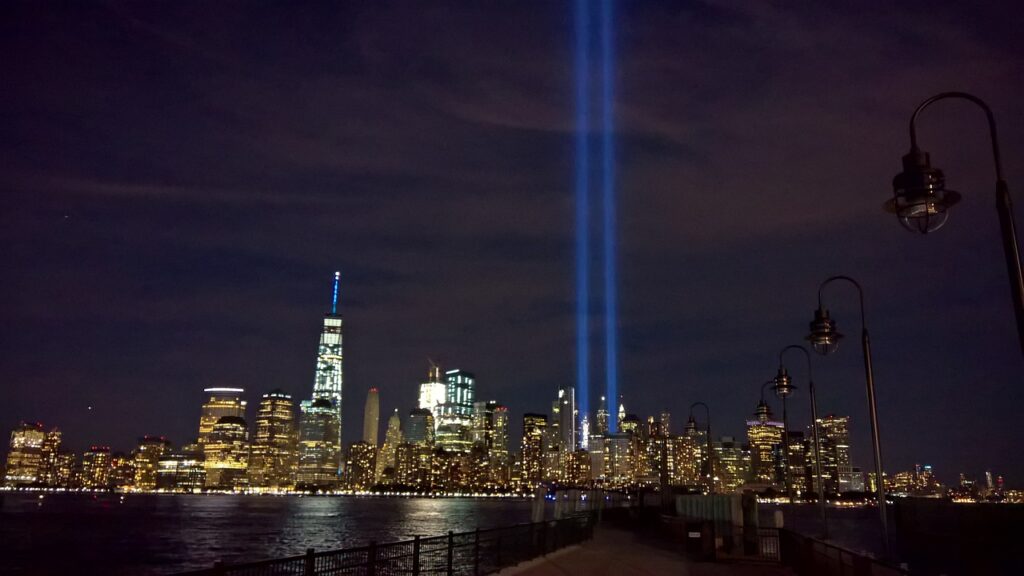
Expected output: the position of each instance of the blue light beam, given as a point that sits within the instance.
(608, 208)
(582, 207)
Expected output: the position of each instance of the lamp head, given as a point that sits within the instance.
(824, 337)
(762, 412)
(920, 199)
(783, 384)
(691, 425)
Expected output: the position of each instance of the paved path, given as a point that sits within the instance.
(617, 553)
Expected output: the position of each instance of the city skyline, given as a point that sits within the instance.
(176, 193)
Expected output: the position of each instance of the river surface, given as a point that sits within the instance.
(162, 534)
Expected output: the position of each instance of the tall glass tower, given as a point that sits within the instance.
(327, 383)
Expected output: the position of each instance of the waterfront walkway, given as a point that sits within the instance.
(615, 552)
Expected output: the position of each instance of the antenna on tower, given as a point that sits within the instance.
(334, 298)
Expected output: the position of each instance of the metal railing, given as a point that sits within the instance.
(812, 557)
(457, 554)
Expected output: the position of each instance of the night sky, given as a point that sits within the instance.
(179, 182)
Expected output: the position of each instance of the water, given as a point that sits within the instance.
(161, 534)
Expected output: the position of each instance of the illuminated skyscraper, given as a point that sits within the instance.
(226, 454)
(319, 455)
(274, 454)
(433, 394)
(732, 464)
(763, 436)
(147, 460)
(361, 466)
(567, 418)
(25, 461)
(534, 426)
(223, 402)
(419, 428)
(327, 382)
(371, 417)
(460, 393)
(386, 455)
(620, 460)
(835, 453)
(96, 468)
(456, 420)
(50, 473)
(601, 426)
(181, 471)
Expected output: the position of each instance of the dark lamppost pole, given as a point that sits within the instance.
(711, 453)
(921, 201)
(783, 387)
(784, 377)
(824, 339)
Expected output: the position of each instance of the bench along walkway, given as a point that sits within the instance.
(615, 552)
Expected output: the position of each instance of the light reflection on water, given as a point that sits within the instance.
(159, 534)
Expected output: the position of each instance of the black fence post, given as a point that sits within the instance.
(451, 552)
(416, 556)
(218, 568)
(476, 553)
(371, 559)
(310, 568)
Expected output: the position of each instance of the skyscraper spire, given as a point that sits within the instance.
(334, 297)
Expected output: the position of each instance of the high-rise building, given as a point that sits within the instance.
(222, 402)
(419, 428)
(620, 460)
(371, 417)
(834, 433)
(567, 419)
(226, 454)
(763, 436)
(666, 420)
(181, 471)
(456, 420)
(319, 455)
(25, 455)
(361, 466)
(385, 472)
(51, 454)
(328, 379)
(798, 469)
(601, 424)
(433, 394)
(274, 454)
(96, 465)
(460, 393)
(534, 426)
(122, 471)
(147, 460)
(732, 464)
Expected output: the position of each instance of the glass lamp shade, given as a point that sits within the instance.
(783, 384)
(920, 199)
(824, 337)
(691, 425)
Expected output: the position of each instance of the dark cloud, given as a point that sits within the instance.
(180, 181)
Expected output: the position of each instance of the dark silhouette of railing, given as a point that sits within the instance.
(812, 557)
(457, 554)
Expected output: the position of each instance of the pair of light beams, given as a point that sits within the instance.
(583, 200)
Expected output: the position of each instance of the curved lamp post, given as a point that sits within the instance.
(782, 379)
(921, 201)
(692, 425)
(824, 339)
(782, 385)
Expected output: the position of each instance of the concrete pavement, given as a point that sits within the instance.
(615, 552)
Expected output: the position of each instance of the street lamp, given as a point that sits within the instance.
(691, 425)
(921, 201)
(814, 425)
(783, 387)
(824, 339)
